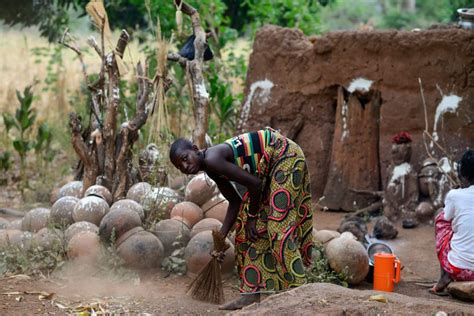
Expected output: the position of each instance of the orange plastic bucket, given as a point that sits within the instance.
(386, 271)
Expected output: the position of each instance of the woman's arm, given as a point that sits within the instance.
(229, 192)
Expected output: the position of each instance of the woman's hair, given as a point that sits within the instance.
(180, 144)
(467, 165)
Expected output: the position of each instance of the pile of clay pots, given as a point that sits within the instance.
(89, 221)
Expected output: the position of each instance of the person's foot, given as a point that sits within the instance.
(443, 282)
(242, 301)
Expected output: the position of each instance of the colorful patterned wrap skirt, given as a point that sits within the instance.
(443, 235)
(277, 260)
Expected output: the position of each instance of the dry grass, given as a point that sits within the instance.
(19, 69)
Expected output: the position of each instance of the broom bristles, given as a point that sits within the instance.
(207, 286)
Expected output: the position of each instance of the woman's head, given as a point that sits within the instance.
(467, 166)
(186, 156)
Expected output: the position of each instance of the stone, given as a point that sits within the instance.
(206, 224)
(462, 290)
(130, 204)
(90, 209)
(73, 188)
(188, 210)
(141, 250)
(425, 212)
(138, 191)
(36, 219)
(384, 228)
(200, 189)
(346, 255)
(117, 222)
(197, 255)
(99, 191)
(80, 227)
(61, 211)
(355, 225)
(168, 231)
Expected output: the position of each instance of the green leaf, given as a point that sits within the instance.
(9, 121)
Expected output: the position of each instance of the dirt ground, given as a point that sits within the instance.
(161, 293)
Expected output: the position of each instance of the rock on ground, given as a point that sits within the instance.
(462, 290)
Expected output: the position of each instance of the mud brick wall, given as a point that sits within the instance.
(291, 74)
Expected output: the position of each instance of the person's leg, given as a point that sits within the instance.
(443, 235)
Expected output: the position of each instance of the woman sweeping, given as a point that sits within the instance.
(273, 220)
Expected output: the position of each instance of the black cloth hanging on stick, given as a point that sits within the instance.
(187, 51)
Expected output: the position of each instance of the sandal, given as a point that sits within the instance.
(438, 293)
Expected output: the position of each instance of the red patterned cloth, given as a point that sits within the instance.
(443, 234)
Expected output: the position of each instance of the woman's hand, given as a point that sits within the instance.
(219, 255)
(251, 229)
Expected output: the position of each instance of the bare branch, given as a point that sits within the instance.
(177, 58)
(74, 47)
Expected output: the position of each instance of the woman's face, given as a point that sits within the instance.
(188, 161)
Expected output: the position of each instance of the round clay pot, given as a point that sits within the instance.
(80, 227)
(117, 223)
(197, 254)
(205, 225)
(322, 237)
(4, 223)
(61, 212)
(36, 219)
(216, 199)
(425, 211)
(168, 230)
(48, 239)
(200, 189)
(218, 211)
(141, 250)
(99, 191)
(85, 246)
(188, 210)
(15, 238)
(130, 204)
(159, 202)
(138, 191)
(183, 220)
(90, 209)
(20, 239)
(346, 255)
(15, 224)
(73, 188)
(177, 182)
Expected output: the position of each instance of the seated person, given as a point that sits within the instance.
(455, 230)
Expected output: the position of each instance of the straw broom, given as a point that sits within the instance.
(207, 286)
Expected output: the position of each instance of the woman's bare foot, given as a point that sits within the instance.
(242, 301)
(443, 282)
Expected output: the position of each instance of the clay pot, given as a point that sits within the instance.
(159, 202)
(99, 191)
(218, 211)
(15, 224)
(346, 255)
(61, 212)
(85, 246)
(130, 204)
(197, 254)
(189, 211)
(384, 228)
(207, 224)
(425, 211)
(184, 221)
(48, 239)
(177, 182)
(141, 250)
(200, 189)
(80, 227)
(36, 219)
(322, 237)
(168, 230)
(73, 188)
(118, 222)
(15, 238)
(90, 209)
(138, 191)
(3, 223)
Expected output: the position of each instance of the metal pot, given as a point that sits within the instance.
(466, 18)
(372, 249)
